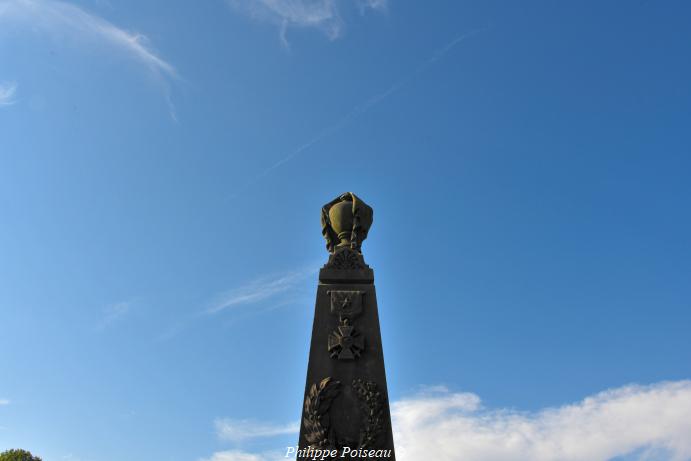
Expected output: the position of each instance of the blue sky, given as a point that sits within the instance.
(161, 174)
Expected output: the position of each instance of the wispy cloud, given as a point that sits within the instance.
(70, 457)
(323, 15)
(263, 293)
(239, 430)
(364, 5)
(641, 423)
(4, 402)
(60, 18)
(7, 92)
(113, 313)
(260, 289)
(359, 110)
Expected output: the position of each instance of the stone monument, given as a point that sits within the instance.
(346, 406)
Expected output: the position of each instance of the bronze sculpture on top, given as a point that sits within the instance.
(346, 407)
(345, 222)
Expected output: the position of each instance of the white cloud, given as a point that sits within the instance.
(61, 19)
(638, 420)
(239, 430)
(4, 402)
(641, 423)
(7, 92)
(259, 290)
(238, 455)
(234, 455)
(323, 15)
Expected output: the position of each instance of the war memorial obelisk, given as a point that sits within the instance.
(346, 405)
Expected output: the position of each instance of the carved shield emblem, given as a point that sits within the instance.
(346, 304)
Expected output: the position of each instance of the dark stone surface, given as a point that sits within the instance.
(346, 400)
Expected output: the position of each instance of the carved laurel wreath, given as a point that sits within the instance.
(318, 432)
(372, 402)
(316, 419)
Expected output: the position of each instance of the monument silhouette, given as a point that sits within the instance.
(346, 405)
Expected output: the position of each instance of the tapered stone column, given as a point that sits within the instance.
(346, 405)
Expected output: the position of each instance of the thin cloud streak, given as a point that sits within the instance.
(7, 92)
(266, 288)
(360, 109)
(57, 17)
(260, 289)
(4, 402)
(244, 429)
